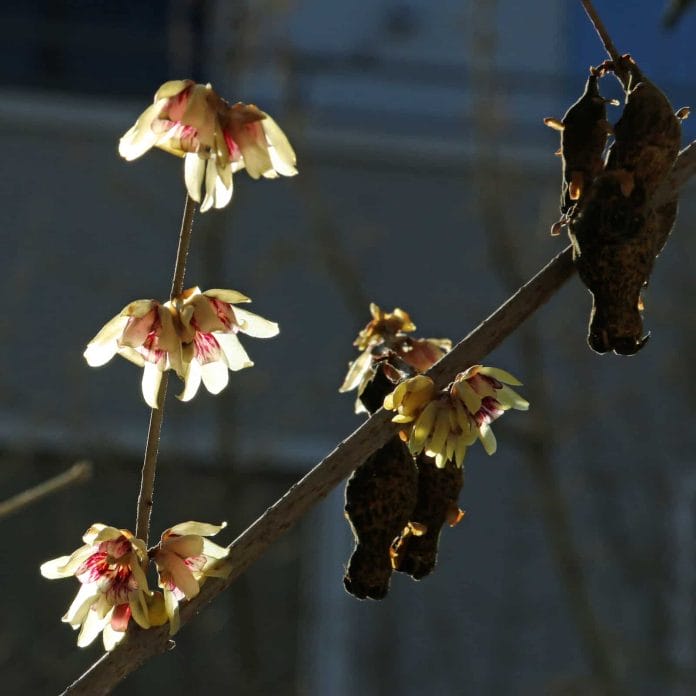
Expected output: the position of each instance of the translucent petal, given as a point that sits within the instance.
(130, 354)
(511, 399)
(171, 88)
(150, 385)
(471, 399)
(487, 439)
(184, 546)
(254, 325)
(65, 566)
(423, 427)
(86, 596)
(460, 451)
(199, 528)
(356, 370)
(500, 375)
(138, 607)
(104, 345)
(224, 187)
(192, 380)
(141, 137)
(194, 172)
(214, 551)
(210, 183)
(282, 154)
(171, 604)
(229, 296)
(236, 356)
(215, 376)
(111, 638)
(91, 628)
(182, 576)
(440, 431)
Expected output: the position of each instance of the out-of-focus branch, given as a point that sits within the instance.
(139, 646)
(77, 473)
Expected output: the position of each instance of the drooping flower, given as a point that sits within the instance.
(210, 322)
(444, 425)
(216, 139)
(195, 334)
(184, 558)
(144, 332)
(385, 340)
(114, 587)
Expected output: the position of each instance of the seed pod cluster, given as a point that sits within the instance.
(615, 232)
(396, 506)
(414, 551)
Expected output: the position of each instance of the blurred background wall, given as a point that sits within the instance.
(427, 181)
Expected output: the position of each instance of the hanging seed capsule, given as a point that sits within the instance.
(647, 136)
(415, 553)
(584, 131)
(615, 233)
(380, 498)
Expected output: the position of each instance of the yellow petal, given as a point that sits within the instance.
(460, 450)
(500, 375)
(441, 430)
(254, 325)
(199, 528)
(423, 427)
(469, 397)
(487, 439)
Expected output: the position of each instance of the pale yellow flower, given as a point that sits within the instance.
(114, 586)
(215, 138)
(195, 334)
(184, 558)
(444, 425)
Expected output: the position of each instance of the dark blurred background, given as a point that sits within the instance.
(427, 181)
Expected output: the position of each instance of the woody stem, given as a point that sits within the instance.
(147, 476)
(606, 40)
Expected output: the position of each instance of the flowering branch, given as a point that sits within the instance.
(139, 646)
(147, 476)
(77, 473)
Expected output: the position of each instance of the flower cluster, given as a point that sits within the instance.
(445, 424)
(385, 338)
(194, 334)
(111, 569)
(215, 138)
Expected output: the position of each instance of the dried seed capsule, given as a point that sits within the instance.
(438, 492)
(616, 235)
(380, 498)
(584, 131)
(648, 135)
(614, 250)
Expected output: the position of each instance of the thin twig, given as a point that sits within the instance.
(139, 646)
(606, 40)
(147, 476)
(601, 30)
(77, 473)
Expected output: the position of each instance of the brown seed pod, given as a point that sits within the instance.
(584, 131)
(648, 135)
(615, 233)
(614, 250)
(380, 498)
(415, 550)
